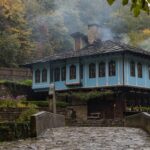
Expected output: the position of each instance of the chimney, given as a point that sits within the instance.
(93, 33)
(79, 40)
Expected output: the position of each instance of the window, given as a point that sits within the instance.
(112, 68)
(57, 74)
(63, 73)
(139, 68)
(132, 69)
(44, 75)
(37, 76)
(72, 72)
(102, 69)
(92, 70)
(81, 71)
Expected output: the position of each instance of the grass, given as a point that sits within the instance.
(23, 82)
(15, 104)
(39, 103)
(139, 108)
(43, 103)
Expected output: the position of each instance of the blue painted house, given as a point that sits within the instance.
(100, 65)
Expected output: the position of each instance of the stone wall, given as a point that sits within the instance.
(81, 112)
(13, 90)
(13, 131)
(15, 74)
(141, 120)
(43, 120)
(10, 114)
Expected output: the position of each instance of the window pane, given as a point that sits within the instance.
(37, 76)
(72, 72)
(112, 68)
(44, 75)
(92, 71)
(132, 69)
(57, 74)
(139, 66)
(102, 69)
(63, 73)
(81, 71)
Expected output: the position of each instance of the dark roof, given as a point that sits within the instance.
(94, 49)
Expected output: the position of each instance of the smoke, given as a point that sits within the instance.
(77, 14)
(107, 34)
(71, 16)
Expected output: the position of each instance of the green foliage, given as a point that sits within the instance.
(125, 2)
(23, 82)
(136, 5)
(39, 103)
(10, 131)
(15, 43)
(26, 82)
(8, 103)
(43, 103)
(61, 104)
(86, 96)
(110, 2)
(25, 115)
(139, 108)
(92, 95)
(16, 104)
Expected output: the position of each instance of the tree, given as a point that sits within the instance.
(49, 32)
(136, 5)
(15, 44)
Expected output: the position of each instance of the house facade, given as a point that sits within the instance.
(98, 65)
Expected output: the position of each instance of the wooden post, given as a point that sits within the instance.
(54, 102)
(52, 92)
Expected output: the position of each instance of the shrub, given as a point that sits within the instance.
(86, 96)
(26, 82)
(39, 103)
(16, 104)
(8, 103)
(46, 103)
(25, 115)
(23, 82)
(61, 104)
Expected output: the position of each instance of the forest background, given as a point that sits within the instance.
(31, 29)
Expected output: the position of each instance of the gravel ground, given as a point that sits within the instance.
(85, 138)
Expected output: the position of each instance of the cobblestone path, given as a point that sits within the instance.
(85, 138)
